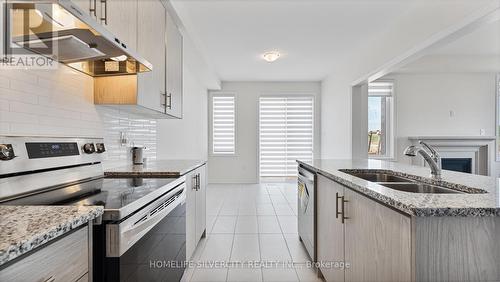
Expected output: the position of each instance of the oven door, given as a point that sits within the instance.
(151, 244)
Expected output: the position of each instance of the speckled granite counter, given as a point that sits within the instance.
(417, 204)
(24, 228)
(155, 168)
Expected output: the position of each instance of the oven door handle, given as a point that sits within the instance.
(120, 237)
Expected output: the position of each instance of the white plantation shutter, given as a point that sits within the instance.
(286, 134)
(223, 122)
(380, 89)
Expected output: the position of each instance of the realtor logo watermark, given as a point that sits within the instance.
(27, 37)
(27, 62)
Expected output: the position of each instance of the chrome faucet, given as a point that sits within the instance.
(432, 157)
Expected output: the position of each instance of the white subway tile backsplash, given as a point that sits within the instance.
(26, 87)
(4, 128)
(12, 95)
(60, 103)
(138, 130)
(4, 105)
(22, 75)
(4, 82)
(27, 129)
(7, 116)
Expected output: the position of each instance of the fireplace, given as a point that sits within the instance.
(457, 164)
(468, 154)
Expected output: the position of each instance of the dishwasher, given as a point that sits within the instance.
(307, 210)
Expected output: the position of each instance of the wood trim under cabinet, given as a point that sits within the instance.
(115, 90)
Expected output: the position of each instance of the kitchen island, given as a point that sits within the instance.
(383, 234)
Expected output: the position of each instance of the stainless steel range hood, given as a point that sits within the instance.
(60, 30)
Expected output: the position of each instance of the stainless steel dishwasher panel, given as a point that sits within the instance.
(306, 185)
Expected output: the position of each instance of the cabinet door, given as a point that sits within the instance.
(89, 6)
(330, 230)
(121, 20)
(190, 214)
(377, 241)
(151, 45)
(66, 259)
(174, 68)
(201, 203)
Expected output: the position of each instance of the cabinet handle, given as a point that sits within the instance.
(194, 182)
(169, 101)
(343, 209)
(197, 182)
(337, 205)
(105, 19)
(93, 10)
(164, 99)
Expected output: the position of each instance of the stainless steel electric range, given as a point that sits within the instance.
(144, 219)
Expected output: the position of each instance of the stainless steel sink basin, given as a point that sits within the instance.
(420, 188)
(389, 180)
(379, 177)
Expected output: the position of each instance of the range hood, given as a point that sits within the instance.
(60, 30)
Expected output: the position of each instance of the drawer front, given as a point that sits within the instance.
(64, 260)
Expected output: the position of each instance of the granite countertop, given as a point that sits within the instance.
(24, 228)
(155, 168)
(418, 204)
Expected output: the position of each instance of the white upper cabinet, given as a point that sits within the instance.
(88, 6)
(120, 18)
(147, 27)
(150, 44)
(174, 69)
(117, 16)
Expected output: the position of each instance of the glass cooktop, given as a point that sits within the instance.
(118, 193)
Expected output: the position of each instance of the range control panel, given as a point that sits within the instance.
(48, 150)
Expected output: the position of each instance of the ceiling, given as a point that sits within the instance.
(312, 35)
(477, 51)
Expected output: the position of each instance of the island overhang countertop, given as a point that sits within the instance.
(415, 204)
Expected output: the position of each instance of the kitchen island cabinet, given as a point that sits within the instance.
(382, 234)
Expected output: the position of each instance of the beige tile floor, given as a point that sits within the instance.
(251, 223)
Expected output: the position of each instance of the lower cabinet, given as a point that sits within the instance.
(330, 230)
(372, 241)
(66, 259)
(195, 208)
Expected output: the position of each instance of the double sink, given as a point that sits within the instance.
(400, 183)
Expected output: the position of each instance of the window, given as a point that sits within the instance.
(223, 125)
(380, 123)
(498, 116)
(286, 134)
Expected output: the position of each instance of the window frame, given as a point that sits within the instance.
(497, 117)
(390, 125)
(211, 128)
(314, 123)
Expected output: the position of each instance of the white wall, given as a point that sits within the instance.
(422, 21)
(186, 138)
(424, 102)
(243, 166)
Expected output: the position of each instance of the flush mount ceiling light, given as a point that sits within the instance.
(271, 56)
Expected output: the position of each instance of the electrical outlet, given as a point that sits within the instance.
(482, 131)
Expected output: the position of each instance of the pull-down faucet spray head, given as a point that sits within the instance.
(432, 157)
